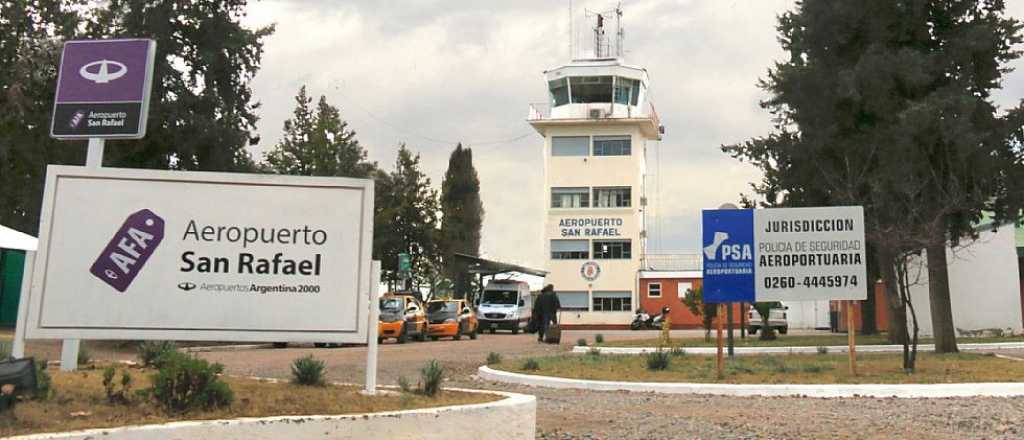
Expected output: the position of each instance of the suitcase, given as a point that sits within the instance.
(554, 333)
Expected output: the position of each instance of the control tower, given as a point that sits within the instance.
(596, 125)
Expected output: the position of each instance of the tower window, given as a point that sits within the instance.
(570, 197)
(612, 146)
(570, 146)
(613, 197)
(587, 89)
(612, 249)
(559, 89)
(627, 91)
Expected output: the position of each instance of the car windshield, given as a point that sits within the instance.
(391, 305)
(443, 307)
(500, 297)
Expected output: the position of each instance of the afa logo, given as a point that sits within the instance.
(127, 253)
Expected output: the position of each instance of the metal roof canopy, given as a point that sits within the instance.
(482, 266)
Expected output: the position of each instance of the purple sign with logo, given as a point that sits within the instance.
(103, 89)
(126, 253)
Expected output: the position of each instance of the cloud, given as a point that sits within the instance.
(432, 73)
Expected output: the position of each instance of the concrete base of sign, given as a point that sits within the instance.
(804, 350)
(449, 422)
(740, 390)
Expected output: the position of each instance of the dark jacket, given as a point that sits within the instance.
(547, 304)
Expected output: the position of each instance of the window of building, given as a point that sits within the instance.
(587, 89)
(570, 146)
(612, 249)
(612, 197)
(612, 146)
(684, 286)
(576, 301)
(570, 249)
(654, 290)
(626, 90)
(614, 301)
(559, 90)
(570, 197)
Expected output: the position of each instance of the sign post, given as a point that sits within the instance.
(851, 330)
(371, 334)
(720, 364)
(103, 89)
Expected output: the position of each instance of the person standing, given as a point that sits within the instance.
(546, 310)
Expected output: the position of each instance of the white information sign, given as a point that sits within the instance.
(140, 254)
(807, 254)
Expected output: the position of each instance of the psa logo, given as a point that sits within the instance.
(127, 253)
(732, 252)
(186, 286)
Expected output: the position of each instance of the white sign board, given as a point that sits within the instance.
(140, 254)
(808, 254)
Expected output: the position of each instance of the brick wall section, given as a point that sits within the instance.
(679, 314)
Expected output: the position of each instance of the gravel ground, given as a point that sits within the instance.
(575, 414)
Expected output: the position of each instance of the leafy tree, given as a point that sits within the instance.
(463, 214)
(30, 45)
(406, 221)
(887, 105)
(317, 142)
(694, 301)
(202, 114)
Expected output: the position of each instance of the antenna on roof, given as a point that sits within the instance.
(602, 48)
(572, 48)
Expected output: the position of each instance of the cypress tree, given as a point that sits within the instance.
(463, 215)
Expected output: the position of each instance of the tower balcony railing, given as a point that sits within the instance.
(595, 110)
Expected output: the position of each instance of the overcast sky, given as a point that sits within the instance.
(433, 73)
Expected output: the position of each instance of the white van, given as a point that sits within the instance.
(505, 304)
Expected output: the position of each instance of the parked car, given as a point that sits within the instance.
(401, 317)
(776, 319)
(451, 317)
(505, 304)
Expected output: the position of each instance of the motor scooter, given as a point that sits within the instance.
(644, 320)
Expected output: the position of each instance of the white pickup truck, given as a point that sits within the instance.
(776, 319)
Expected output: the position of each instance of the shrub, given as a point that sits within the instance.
(84, 356)
(531, 364)
(431, 376)
(308, 370)
(150, 351)
(822, 349)
(114, 395)
(657, 360)
(581, 342)
(185, 383)
(813, 368)
(594, 352)
(493, 358)
(599, 338)
(677, 352)
(44, 384)
(404, 385)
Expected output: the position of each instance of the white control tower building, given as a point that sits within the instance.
(596, 125)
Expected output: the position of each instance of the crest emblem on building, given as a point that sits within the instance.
(590, 271)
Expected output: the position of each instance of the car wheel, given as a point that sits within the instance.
(319, 344)
(280, 345)
(753, 330)
(783, 330)
(493, 330)
(515, 329)
(380, 341)
(434, 338)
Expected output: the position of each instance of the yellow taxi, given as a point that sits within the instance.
(401, 317)
(451, 317)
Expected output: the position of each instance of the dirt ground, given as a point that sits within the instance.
(572, 414)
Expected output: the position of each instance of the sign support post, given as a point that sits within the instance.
(721, 360)
(851, 331)
(732, 343)
(18, 346)
(71, 347)
(371, 331)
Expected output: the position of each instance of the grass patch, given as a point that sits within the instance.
(807, 369)
(82, 392)
(796, 341)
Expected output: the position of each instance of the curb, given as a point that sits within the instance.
(986, 389)
(801, 350)
(215, 348)
(463, 419)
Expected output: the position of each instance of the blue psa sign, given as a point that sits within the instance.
(728, 245)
